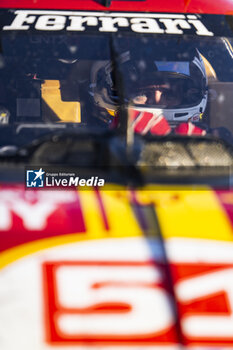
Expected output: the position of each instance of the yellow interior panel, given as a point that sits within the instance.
(67, 111)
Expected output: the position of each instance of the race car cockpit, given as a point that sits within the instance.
(132, 85)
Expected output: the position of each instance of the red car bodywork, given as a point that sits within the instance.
(182, 6)
(88, 222)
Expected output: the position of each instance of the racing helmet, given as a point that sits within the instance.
(175, 88)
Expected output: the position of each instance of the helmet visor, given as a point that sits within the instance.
(167, 90)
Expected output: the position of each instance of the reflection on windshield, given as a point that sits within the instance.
(46, 78)
(166, 84)
(180, 86)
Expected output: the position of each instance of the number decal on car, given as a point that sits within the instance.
(106, 302)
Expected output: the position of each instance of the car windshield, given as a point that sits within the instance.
(98, 81)
(84, 79)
